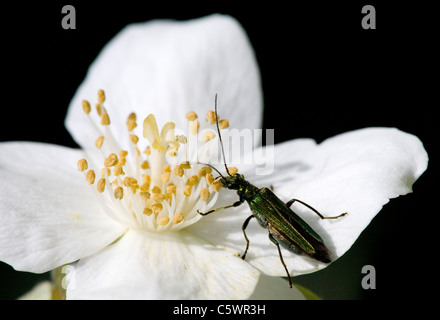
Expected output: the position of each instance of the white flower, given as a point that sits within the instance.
(134, 231)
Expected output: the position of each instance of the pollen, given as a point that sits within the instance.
(157, 207)
(178, 218)
(187, 191)
(158, 197)
(191, 116)
(147, 211)
(204, 194)
(105, 119)
(223, 124)
(101, 185)
(90, 176)
(119, 193)
(99, 142)
(86, 106)
(208, 135)
(216, 185)
(163, 221)
(232, 170)
(192, 181)
(82, 165)
(101, 96)
(210, 117)
(111, 160)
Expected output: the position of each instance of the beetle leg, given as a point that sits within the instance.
(290, 202)
(235, 204)
(281, 257)
(245, 224)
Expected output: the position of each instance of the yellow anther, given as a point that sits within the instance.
(208, 135)
(133, 138)
(105, 172)
(101, 96)
(99, 141)
(181, 139)
(156, 190)
(178, 170)
(114, 184)
(105, 119)
(131, 122)
(145, 186)
(191, 116)
(129, 182)
(177, 218)
(167, 168)
(194, 127)
(90, 176)
(99, 109)
(86, 106)
(210, 117)
(147, 211)
(111, 160)
(232, 170)
(204, 171)
(165, 177)
(145, 195)
(163, 221)
(82, 165)
(146, 178)
(123, 153)
(171, 188)
(157, 207)
(119, 193)
(101, 185)
(187, 191)
(185, 165)
(117, 170)
(147, 151)
(223, 124)
(145, 165)
(204, 194)
(192, 181)
(216, 185)
(209, 178)
(158, 197)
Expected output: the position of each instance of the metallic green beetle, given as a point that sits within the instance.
(284, 226)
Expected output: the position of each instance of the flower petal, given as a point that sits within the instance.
(355, 172)
(176, 265)
(49, 215)
(169, 68)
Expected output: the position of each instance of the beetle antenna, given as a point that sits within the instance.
(220, 137)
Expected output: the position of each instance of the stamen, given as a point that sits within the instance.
(131, 122)
(204, 194)
(232, 170)
(82, 165)
(90, 176)
(216, 185)
(99, 141)
(101, 96)
(191, 116)
(119, 193)
(111, 160)
(86, 106)
(177, 218)
(208, 135)
(105, 119)
(163, 221)
(101, 185)
(192, 181)
(178, 170)
(117, 170)
(223, 124)
(194, 127)
(158, 197)
(157, 207)
(147, 211)
(210, 117)
(187, 190)
(134, 138)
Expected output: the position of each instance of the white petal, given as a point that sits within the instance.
(49, 215)
(275, 288)
(176, 265)
(169, 68)
(356, 172)
(41, 291)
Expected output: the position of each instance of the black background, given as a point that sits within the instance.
(318, 66)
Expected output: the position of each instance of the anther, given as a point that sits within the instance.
(158, 197)
(105, 119)
(101, 185)
(101, 96)
(117, 170)
(216, 185)
(232, 170)
(145, 165)
(210, 117)
(99, 141)
(82, 165)
(86, 106)
(90, 176)
(192, 181)
(133, 138)
(165, 177)
(119, 193)
(163, 221)
(204, 194)
(191, 116)
(177, 218)
(157, 207)
(111, 160)
(131, 122)
(187, 190)
(208, 135)
(223, 124)
(147, 211)
(178, 170)
(156, 190)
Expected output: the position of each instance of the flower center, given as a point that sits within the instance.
(161, 187)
